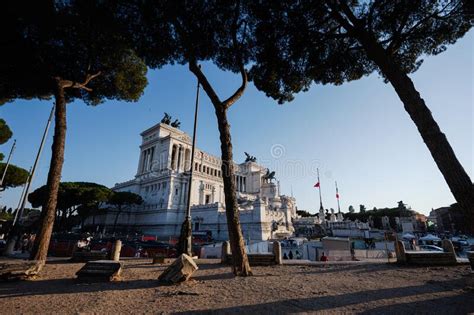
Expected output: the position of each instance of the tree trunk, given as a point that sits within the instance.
(456, 177)
(241, 266)
(40, 249)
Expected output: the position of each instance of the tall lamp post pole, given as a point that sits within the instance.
(186, 229)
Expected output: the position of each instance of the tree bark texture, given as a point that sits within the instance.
(240, 262)
(40, 249)
(453, 172)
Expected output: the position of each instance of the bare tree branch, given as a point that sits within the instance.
(78, 85)
(194, 68)
(238, 93)
(344, 23)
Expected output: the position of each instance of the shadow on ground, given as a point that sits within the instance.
(461, 303)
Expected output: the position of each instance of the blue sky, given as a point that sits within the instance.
(358, 133)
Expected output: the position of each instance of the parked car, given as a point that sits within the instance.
(62, 245)
(152, 248)
(431, 248)
(460, 244)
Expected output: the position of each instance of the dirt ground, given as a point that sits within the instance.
(371, 289)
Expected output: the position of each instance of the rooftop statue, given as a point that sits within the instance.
(166, 119)
(176, 124)
(269, 176)
(250, 158)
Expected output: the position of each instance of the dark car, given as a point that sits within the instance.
(153, 248)
(431, 248)
(460, 245)
(62, 245)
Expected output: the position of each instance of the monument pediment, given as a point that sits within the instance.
(184, 138)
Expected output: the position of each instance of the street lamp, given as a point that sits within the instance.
(185, 238)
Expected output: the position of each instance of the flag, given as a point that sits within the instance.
(337, 195)
(316, 185)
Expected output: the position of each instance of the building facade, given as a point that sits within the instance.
(162, 179)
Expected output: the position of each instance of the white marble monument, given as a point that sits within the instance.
(162, 180)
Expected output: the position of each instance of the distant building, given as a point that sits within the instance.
(447, 220)
(348, 228)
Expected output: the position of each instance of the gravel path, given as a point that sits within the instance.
(369, 288)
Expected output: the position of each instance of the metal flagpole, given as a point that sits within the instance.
(320, 198)
(7, 164)
(33, 170)
(15, 227)
(20, 202)
(187, 238)
(337, 197)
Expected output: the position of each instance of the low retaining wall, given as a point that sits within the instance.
(89, 256)
(260, 259)
(371, 253)
(427, 258)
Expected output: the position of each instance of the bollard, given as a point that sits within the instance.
(400, 251)
(116, 250)
(277, 252)
(448, 247)
(225, 251)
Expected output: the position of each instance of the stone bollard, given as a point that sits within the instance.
(449, 248)
(277, 252)
(400, 251)
(115, 255)
(225, 251)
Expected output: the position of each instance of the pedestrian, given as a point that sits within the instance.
(324, 257)
(290, 255)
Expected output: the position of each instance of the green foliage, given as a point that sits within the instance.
(8, 216)
(362, 208)
(5, 132)
(124, 198)
(351, 209)
(301, 42)
(16, 176)
(168, 32)
(377, 215)
(304, 213)
(70, 40)
(72, 194)
(401, 205)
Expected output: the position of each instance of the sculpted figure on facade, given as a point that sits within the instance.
(166, 119)
(250, 158)
(176, 123)
(269, 176)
